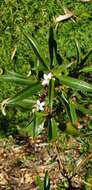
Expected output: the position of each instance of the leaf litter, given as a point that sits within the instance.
(21, 163)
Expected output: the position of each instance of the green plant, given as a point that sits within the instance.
(53, 95)
(43, 185)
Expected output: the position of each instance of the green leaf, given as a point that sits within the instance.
(25, 93)
(39, 183)
(58, 56)
(36, 51)
(46, 181)
(62, 68)
(51, 48)
(27, 103)
(86, 15)
(51, 93)
(83, 109)
(17, 80)
(73, 112)
(78, 52)
(71, 130)
(85, 58)
(12, 73)
(86, 69)
(54, 129)
(36, 126)
(49, 129)
(76, 83)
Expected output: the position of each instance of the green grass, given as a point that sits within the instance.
(33, 17)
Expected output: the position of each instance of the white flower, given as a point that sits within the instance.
(46, 79)
(40, 105)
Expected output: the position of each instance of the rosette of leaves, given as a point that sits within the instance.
(67, 94)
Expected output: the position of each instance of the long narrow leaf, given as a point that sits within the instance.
(54, 129)
(85, 58)
(73, 112)
(36, 51)
(58, 56)
(49, 129)
(83, 109)
(17, 80)
(46, 181)
(51, 93)
(27, 92)
(12, 73)
(76, 83)
(86, 69)
(51, 48)
(78, 52)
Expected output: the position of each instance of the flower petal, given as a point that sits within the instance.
(49, 76)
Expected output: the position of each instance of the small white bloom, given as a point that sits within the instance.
(46, 79)
(40, 105)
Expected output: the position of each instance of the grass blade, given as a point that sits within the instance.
(85, 58)
(78, 52)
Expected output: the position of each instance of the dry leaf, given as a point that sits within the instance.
(85, 1)
(68, 14)
(13, 53)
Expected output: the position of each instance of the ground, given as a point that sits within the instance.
(21, 162)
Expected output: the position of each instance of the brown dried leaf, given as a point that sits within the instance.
(68, 14)
(86, 1)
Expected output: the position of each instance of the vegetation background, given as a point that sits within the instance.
(33, 17)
